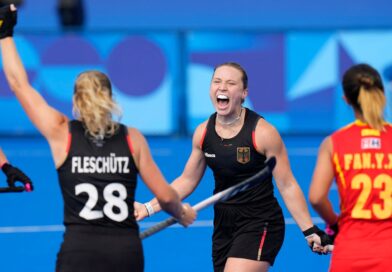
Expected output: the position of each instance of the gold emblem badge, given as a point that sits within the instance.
(243, 154)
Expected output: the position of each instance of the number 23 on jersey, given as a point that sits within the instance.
(381, 185)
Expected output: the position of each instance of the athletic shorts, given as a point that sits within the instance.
(239, 236)
(100, 250)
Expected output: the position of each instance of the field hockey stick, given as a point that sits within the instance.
(17, 189)
(221, 196)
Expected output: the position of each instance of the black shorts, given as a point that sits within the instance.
(87, 249)
(240, 236)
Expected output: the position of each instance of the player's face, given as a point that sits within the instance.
(227, 90)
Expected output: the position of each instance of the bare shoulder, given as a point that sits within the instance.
(265, 129)
(58, 133)
(266, 135)
(199, 133)
(136, 136)
(326, 145)
(134, 132)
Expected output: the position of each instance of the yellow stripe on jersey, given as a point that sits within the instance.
(369, 132)
(339, 169)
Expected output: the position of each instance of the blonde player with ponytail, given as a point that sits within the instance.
(97, 161)
(359, 158)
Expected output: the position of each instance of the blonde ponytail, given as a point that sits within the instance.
(372, 104)
(93, 104)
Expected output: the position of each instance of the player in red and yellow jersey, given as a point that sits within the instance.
(359, 158)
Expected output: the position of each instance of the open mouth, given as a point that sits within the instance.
(222, 100)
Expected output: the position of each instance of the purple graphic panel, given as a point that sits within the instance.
(345, 60)
(137, 66)
(61, 105)
(5, 91)
(319, 101)
(265, 69)
(70, 50)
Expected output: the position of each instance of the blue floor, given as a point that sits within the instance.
(31, 223)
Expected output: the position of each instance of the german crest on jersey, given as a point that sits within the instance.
(243, 154)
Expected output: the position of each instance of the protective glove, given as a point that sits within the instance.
(318, 237)
(332, 231)
(8, 19)
(15, 174)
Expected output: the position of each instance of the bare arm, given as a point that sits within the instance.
(323, 177)
(186, 183)
(194, 169)
(270, 143)
(51, 123)
(166, 196)
(3, 158)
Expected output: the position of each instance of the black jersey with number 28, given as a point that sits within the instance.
(98, 180)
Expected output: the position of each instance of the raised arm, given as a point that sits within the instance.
(186, 183)
(47, 120)
(323, 177)
(166, 196)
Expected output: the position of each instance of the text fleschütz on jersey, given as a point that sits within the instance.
(101, 165)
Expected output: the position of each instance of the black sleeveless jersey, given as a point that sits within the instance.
(98, 180)
(236, 159)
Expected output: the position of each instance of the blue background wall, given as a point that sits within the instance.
(222, 14)
(163, 76)
(160, 56)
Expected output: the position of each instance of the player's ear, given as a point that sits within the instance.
(244, 94)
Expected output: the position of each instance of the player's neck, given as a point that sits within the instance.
(229, 121)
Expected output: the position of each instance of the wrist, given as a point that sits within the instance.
(5, 166)
(332, 230)
(310, 231)
(149, 208)
(183, 211)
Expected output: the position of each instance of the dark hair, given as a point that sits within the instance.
(238, 67)
(364, 90)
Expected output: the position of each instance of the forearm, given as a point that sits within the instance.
(172, 206)
(296, 204)
(325, 210)
(14, 70)
(180, 186)
(3, 158)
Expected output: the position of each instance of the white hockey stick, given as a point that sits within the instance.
(221, 196)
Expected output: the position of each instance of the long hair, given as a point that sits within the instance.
(93, 104)
(364, 90)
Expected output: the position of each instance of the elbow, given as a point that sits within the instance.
(169, 200)
(16, 83)
(166, 202)
(15, 86)
(316, 200)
